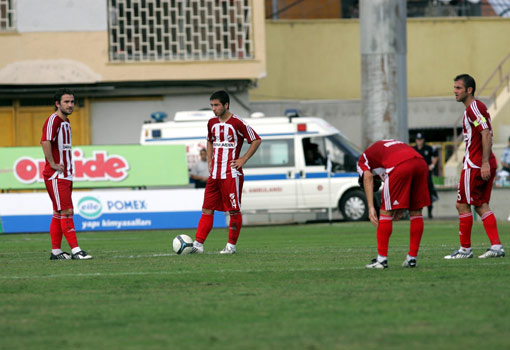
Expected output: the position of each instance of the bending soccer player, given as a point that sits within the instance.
(478, 172)
(405, 176)
(225, 136)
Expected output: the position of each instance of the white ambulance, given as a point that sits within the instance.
(289, 172)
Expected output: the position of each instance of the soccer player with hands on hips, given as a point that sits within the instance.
(58, 176)
(225, 136)
(405, 176)
(478, 172)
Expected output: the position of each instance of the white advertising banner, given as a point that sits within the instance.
(108, 210)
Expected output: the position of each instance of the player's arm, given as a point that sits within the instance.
(209, 150)
(238, 163)
(486, 152)
(46, 146)
(368, 184)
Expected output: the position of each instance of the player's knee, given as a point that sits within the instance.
(67, 212)
(482, 209)
(462, 208)
(208, 211)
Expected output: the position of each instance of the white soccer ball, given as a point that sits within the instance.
(183, 244)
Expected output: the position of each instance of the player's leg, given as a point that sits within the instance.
(481, 203)
(212, 197)
(384, 230)
(232, 190)
(465, 217)
(395, 199)
(205, 225)
(55, 227)
(415, 234)
(419, 198)
(65, 188)
(56, 239)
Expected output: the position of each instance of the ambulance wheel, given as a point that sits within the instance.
(353, 206)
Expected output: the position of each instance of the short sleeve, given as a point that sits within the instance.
(363, 164)
(49, 129)
(247, 131)
(209, 134)
(479, 115)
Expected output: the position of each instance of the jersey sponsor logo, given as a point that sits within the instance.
(224, 145)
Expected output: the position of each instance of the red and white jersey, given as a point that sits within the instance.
(382, 156)
(227, 140)
(476, 119)
(58, 132)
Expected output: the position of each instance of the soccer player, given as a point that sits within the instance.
(225, 136)
(405, 176)
(58, 176)
(478, 172)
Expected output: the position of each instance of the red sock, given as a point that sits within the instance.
(67, 225)
(204, 227)
(416, 231)
(491, 227)
(56, 232)
(236, 222)
(465, 226)
(384, 230)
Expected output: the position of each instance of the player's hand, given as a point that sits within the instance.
(485, 171)
(237, 163)
(431, 167)
(58, 167)
(372, 215)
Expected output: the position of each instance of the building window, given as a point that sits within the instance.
(179, 30)
(7, 15)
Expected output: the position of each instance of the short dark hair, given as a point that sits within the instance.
(469, 81)
(222, 96)
(58, 95)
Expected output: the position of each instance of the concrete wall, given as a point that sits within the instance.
(423, 113)
(321, 59)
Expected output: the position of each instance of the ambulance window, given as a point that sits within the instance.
(271, 153)
(344, 155)
(314, 151)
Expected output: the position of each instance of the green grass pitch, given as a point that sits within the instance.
(289, 287)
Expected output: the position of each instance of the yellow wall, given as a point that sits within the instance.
(320, 59)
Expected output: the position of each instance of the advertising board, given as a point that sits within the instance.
(108, 210)
(99, 166)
